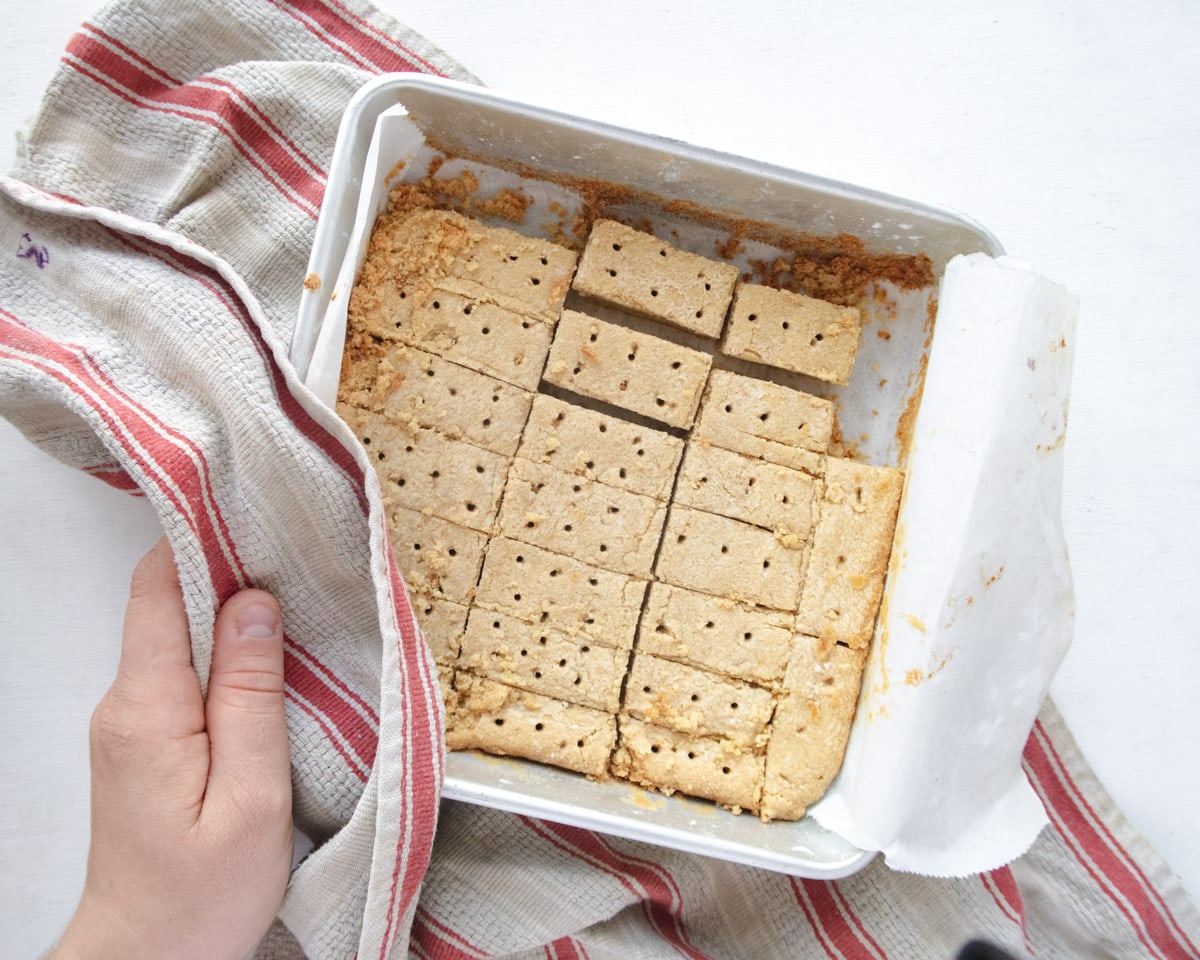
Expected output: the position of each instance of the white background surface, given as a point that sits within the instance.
(1069, 130)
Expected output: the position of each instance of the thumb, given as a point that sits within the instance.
(244, 713)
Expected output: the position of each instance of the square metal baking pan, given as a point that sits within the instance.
(467, 121)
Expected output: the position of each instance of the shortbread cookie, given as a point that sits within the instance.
(482, 336)
(525, 274)
(543, 660)
(718, 634)
(746, 488)
(640, 273)
(549, 589)
(696, 702)
(615, 452)
(411, 253)
(793, 332)
(500, 719)
(436, 558)
(442, 622)
(639, 372)
(669, 761)
(729, 558)
(416, 390)
(811, 725)
(601, 525)
(764, 419)
(423, 470)
(851, 548)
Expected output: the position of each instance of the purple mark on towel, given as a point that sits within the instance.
(29, 250)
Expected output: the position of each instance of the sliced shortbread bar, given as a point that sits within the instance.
(442, 622)
(640, 273)
(578, 440)
(525, 274)
(694, 701)
(719, 634)
(423, 470)
(411, 253)
(436, 558)
(764, 419)
(491, 716)
(746, 488)
(729, 558)
(407, 253)
(482, 336)
(639, 372)
(793, 332)
(417, 390)
(601, 525)
(543, 660)
(667, 760)
(545, 588)
(811, 725)
(850, 552)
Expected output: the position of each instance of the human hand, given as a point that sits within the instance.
(191, 800)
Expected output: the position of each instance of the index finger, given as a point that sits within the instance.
(156, 651)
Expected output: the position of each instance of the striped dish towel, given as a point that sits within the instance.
(157, 226)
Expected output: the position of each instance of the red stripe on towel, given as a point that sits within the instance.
(1006, 893)
(433, 940)
(217, 285)
(359, 738)
(115, 477)
(650, 883)
(419, 771)
(217, 104)
(355, 38)
(833, 921)
(1114, 871)
(166, 459)
(331, 735)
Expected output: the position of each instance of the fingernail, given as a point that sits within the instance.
(258, 621)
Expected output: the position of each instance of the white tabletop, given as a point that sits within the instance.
(1067, 129)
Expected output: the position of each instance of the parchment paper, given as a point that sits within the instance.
(979, 608)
